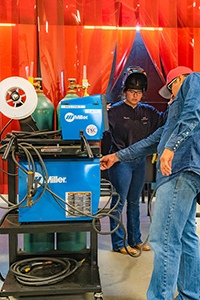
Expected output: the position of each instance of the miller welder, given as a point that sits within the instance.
(61, 180)
(72, 165)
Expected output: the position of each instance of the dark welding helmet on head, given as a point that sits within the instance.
(134, 78)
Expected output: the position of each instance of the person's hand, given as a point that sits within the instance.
(166, 162)
(107, 161)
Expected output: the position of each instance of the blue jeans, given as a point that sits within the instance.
(128, 180)
(174, 240)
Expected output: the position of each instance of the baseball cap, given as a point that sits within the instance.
(172, 75)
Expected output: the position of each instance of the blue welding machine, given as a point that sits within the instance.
(87, 114)
(77, 182)
(75, 179)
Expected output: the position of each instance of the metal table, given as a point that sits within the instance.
(85, 279)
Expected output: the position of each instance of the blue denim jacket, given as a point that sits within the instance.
(181, 133)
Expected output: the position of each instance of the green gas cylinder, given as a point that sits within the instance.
(70, 95)
(44, 112)
(70, 241)
(43, 115)
(38, 242)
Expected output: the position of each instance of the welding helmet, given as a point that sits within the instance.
(134, 78)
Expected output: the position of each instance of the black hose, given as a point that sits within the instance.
(25, 271)
(2, 278)
(5, 128)
(6, 213)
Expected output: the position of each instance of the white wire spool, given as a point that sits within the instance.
(18, 98)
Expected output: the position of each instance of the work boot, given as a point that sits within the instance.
(131, 250)
(144, 248)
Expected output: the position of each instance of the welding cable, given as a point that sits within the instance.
(1, 277)
(30, 175)
(139, 251)
(71, 213)
(119, 222)
(150, 217)
(5, 128)
(44, 170)
(10, 174)
(103, 215)
(41, 133)
(22, 270)
(94, 215)
(13, 205)
(81, 213)
(46, 183)
(97, 215)
(9, 208)
(7, 173)
(5, 215)
(16, 162)
(150, 202)
(56, 196)
(7, 202)
(29, 157)
(109, 192)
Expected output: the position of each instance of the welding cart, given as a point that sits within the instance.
(58, 191)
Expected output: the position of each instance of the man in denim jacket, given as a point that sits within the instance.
(173, 232)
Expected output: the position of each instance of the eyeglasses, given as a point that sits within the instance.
(173, 81)
(137, 93)
(170, 84)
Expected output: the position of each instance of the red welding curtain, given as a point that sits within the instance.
(75, 45)
(17, 50)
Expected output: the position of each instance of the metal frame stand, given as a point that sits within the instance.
(85, 279)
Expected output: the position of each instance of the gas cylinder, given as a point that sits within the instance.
(38, 242)
(70, 241)
(43, 114)
(70, 95)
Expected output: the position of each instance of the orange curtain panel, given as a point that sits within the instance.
(18, 52)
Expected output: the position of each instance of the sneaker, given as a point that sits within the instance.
(131, 250)
(144, 248)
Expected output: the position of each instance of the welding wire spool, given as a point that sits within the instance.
(18, 98)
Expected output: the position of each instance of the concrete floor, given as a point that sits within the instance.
(122, 277)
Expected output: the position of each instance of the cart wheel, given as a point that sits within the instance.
(98, 296)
